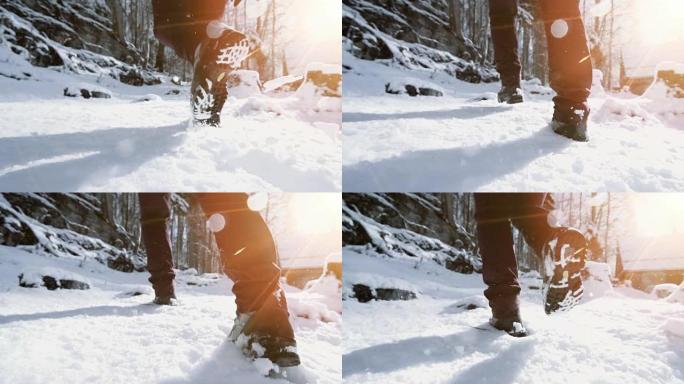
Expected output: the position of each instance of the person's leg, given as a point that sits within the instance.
(182, 24)
(249, 259)
(499, 265)
(569, 58)
(570, 67)
(531, 217)
(154, 214)
(502, 14)
(560, 249)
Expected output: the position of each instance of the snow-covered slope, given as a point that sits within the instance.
(139, 139)
(106, 335)
(466, 141)
(73, 36)
(615, 336)
(411, 34)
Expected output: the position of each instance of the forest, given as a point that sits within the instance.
(603, 21)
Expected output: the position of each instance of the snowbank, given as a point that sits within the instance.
(243, 84)
(597, 282)
(677, 295)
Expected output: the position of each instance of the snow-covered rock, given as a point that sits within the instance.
(284, 84)
(664, 290)
(323, 80)
(87, 91)
(413, 87)
(52, 279)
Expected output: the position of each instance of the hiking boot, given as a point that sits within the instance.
(563, 262)
(166, 300)
(570, 120)
(510, 94)
(215, 58)
(280, 350)
(512, 326)
(506, 315)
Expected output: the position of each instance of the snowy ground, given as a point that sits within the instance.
(461, 143)
(49, 142)
(102, 335)
(619, 336)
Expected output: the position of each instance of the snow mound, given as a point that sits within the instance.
(147, 98)
(328, 287)
(467, 304)
(243, 84)
(630, 111)
(597, 282)
(264, 366)
(138, 290)
(320, 301)
(677, 295)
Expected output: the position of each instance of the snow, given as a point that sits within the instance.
(113, 334)
(598, 282)
(624, 336)
(664, 290)
(326, 68)
(51, 142)
(677, 295)
(466, 141)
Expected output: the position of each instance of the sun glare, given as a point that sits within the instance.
(659, 214)
(316, 213)
(318, 20)
(660, 21)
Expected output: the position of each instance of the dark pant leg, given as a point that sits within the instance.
(495, 240)
(502, 14)
(249, 258)
(569, 58)
(531, 218)
(154, 214)
(181, 24)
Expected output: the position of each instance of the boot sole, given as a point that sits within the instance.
(564, 290)
(214, 84)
